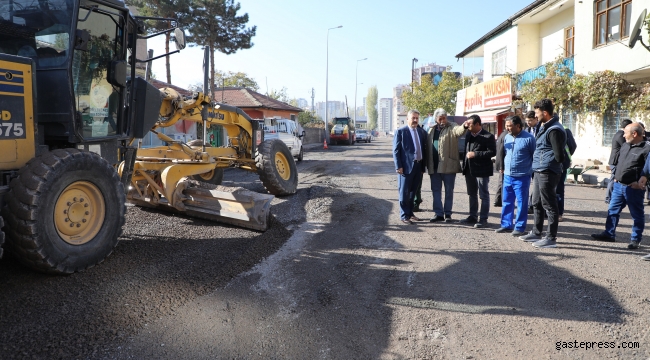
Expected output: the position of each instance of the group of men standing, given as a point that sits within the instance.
(539, 153)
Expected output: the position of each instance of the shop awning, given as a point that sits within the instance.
(490, 116)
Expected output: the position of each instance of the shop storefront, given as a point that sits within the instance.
(491, 100)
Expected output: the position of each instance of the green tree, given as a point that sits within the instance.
(371, 107)
(234, 79)
(279, 94)
(215, 23)
(556, 84)
(176, 9)
(426, 96)
(307, 117)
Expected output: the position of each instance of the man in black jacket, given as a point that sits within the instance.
(617, 141)
(477, 167)
(569, 149)
(498, 162)
(550, 144)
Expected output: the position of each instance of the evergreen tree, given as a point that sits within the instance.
(175, 9)
(215, 23)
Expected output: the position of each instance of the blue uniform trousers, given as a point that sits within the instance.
(515, 188)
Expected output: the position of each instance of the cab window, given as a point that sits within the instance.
(98, 101)
(37, 29)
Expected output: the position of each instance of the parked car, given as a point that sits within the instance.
(364, 135)
(289, 132)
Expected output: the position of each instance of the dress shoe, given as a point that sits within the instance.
(469, 220)
(603, 236)
(633, 245)
(407, 222)
(481, 224)
(415, 218)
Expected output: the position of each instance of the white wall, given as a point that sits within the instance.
(551, 34)
(507, 39)
(528, 44)
(588, 136)
(614, 56)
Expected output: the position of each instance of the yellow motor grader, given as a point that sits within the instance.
(71, 109)
(161, 176)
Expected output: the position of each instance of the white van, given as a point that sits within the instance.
(290, 132)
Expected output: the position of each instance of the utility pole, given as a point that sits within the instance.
(312, 99)
(148, 71)
(413, 72)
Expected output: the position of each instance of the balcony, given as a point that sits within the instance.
(539, 72)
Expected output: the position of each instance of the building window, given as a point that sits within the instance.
(612, 20)
(569, 120)
(499, 62)
(569, 37)
(611, 124)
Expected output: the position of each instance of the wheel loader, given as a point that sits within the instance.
(71, 111)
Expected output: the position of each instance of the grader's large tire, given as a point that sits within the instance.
(276, 167)
(214, 177)
(64, 211)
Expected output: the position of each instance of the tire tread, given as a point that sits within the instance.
(20, 210)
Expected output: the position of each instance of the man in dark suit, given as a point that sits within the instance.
(408, 155)
(480, 147)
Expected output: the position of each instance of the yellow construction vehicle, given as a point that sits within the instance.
(161, 175)
(70, 115)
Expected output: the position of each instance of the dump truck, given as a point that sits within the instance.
(71, 111)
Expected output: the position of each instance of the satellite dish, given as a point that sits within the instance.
(635, 34)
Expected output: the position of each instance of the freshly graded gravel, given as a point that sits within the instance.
(339, 277)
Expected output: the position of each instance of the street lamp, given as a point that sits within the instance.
(327, 64)
(355, 90)
(413, 71)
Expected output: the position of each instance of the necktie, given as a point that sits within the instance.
(418, 151)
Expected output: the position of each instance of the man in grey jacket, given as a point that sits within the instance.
(443, 162)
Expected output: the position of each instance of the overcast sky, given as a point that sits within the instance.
(290, 45)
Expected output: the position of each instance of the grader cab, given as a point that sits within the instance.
(71, 109)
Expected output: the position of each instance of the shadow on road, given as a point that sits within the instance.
(338, 292)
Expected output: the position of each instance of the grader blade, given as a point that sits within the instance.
(235, 206)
